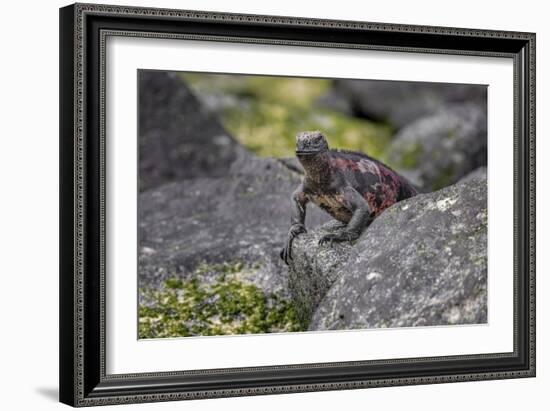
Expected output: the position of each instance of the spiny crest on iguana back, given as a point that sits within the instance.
(351, 186)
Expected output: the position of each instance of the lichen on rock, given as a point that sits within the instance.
(219, 299)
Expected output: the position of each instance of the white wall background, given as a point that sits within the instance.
(29, 206)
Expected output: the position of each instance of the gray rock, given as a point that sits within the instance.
(178, 137)
(401, 102)
(293, 164)
(438, 150)
(313, 269)
(422, 262)
(478, 174)
(243, 216)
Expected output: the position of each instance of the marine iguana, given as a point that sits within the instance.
(350, 186)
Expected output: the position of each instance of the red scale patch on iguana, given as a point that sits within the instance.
(363, 166)
(386, 192)
(344, 163)
(383, 198)
(380, 195)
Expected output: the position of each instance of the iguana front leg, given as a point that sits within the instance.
(362, 216)
(298, 205)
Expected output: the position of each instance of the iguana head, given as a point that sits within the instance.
(310, 143)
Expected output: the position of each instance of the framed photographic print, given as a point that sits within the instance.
(262, 204)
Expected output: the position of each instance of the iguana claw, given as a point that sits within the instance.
(295, 230)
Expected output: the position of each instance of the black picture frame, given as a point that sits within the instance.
(83, 29)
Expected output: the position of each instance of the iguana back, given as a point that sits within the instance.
(376, 182)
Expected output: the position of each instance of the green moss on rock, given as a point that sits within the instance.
(445, 178)
(265, 113)
(227, 305)
(409, 156)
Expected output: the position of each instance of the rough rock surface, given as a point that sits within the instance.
(243, 216)
(438, 150)
(421, 262)
(401, 102)
(478, 173)
(313, 269)
(178, 137)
